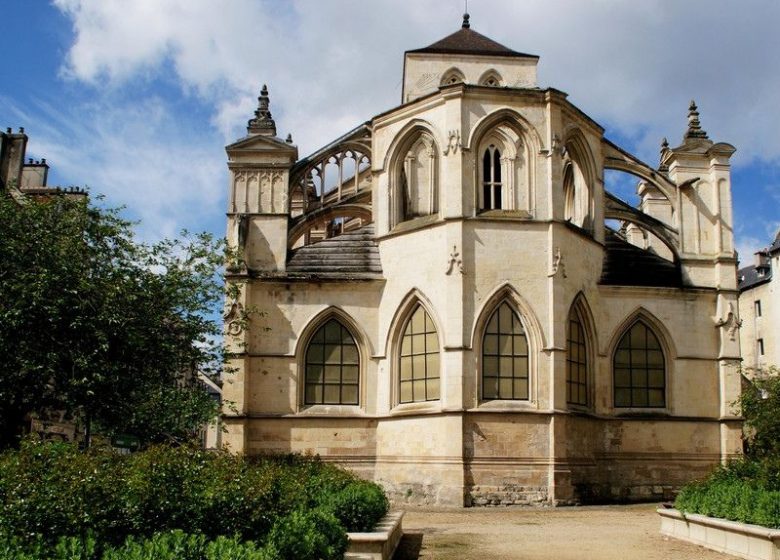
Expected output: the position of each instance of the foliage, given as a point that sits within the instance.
(760, 406)
(96, 324)
(291, 506)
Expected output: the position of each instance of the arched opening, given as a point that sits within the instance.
(505, 356)
(331, 366)
(452, 76)
(419, 364)
(639, 369)
(414, 190)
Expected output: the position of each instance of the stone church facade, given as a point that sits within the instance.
(435, 299)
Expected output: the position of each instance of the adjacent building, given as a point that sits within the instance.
(436, 298)
(759, 309)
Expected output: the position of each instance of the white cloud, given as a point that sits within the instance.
(634, 65)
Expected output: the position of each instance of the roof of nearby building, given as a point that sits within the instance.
(749, 277)
(350, 254)
(775, 246)
(466, 41)
(628, 265)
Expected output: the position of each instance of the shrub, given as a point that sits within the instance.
(308, 535)
(359, 506)
(760, 406)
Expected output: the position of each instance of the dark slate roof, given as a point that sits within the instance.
(628, 265)
(467, 41)
(352, 254)
(775, 246)
(749, 277)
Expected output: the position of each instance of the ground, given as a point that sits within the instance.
(576, 533)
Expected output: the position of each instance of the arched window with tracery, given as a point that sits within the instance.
(491, 78)
(492, 185)
(639, 369)
(577, 195)
(576, 361)
(332, 363)
(416, 189)
(452, 76)
(419, 363)
(505, 368)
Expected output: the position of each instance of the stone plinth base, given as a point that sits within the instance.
(381, 543)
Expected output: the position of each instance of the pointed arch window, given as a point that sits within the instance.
(639, 369)
(332, 366)
(576, 362)
(491, 178)
(419, 363)
(504, 356)
(453, 76)
(416, 180)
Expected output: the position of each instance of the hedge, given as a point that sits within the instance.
(747, 491)
(52, 495)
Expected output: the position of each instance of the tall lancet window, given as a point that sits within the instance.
(417, 190)
(491, 178)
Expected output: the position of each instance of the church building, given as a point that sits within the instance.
(447, 300)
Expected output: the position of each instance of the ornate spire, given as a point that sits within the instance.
(263, 123)
(694, 125)
(466, 24)
(662, 167)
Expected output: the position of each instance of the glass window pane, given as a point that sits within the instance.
(431, 343)
(406, 367)
(639, 378)
(583, 395)
(492, 326)
(655, 358)
(505, 367)
(521, 388)
(406, 346)
(418, 321)
(505, 388)
(418, 344)
(623, 358)
(489, 366)
(314, 354)
(622, 397)
(433, 389)
(314, 374)
(313, 394)
(332, 394)
(655, 378)
(505, 345)
(332, 331)
(490, 346)
(639, 397)
(521, 367)
(652, 341)
(319, 336)
(521, 345)
(505, 317)
(349, 394)
(349, 374)
(637, 336)
(406, 392)
(418, 366)
(490, 388)
(332, 354)
(433, 365)
(419, 389)
(349, 354)
(622, 377)
(656, 397)
(332, 374)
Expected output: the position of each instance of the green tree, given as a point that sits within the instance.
(760, 406)
(101, 326)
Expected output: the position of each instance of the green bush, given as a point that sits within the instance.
(308, 535)
(359, 505)
(744, 491)
(126, 506)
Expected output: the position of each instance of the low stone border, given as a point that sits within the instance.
(740, 539)
(379, 544)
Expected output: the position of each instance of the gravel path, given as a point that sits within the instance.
(579, 533)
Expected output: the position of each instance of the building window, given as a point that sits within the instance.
(639, 370)
(491, 178)
(453, 76)
(332, 366)
(419, 360)
(504, 357)
(757, 305)
(760, 346)
(576, 363)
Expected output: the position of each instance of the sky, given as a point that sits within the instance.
(136, 99)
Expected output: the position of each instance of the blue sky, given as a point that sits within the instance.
(137, 98)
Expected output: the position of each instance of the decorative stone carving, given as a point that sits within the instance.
(730, 322)
(234, 319)
(454, 261)
(453, 144)
(557, 264)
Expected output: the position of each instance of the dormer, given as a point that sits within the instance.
(469, 57)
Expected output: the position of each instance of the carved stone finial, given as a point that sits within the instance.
(730, 322)
(289, 139)
(662, 167)
(263, 123)
(454, 261)
(466, 24)
(694, 125)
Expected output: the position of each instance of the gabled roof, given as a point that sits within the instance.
(628, 265)
(350, 255)
(749, 277)
(466, 41)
